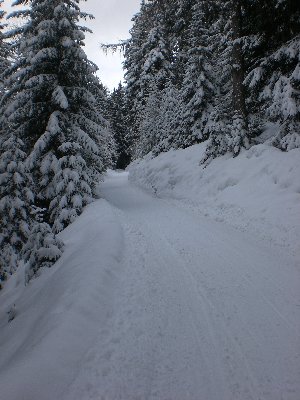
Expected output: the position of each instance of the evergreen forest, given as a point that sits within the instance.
(217, 71)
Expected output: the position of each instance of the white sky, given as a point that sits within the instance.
(111, 24)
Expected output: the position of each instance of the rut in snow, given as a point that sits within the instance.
(152, 301)
(202, 312)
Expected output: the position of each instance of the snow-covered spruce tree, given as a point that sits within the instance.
(157, 67)
(149, 57)
(156, 72)
(105, 141)
(273, 79)
(198, 83)
(170, 119)
(228, 122)
(179, 35)
(149, 122)
(133, 65)
(4, 49)
(15, 193)
(15, 200)
(239, 130)
(43, 248)
(118, 116)
(218, 126)
(284, 97)
(54, 110)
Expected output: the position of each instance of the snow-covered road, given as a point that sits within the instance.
(202, 312)
(152, 301)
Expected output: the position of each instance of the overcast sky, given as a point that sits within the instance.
(112, 23)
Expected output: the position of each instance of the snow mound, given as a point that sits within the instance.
(59, 315)
(258, 191)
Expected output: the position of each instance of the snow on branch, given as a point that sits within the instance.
(114, 47)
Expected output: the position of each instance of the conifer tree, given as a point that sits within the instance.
(178, 26)
(157, 57)
(43, 248)
(54, 110)
(133, 65)
(227, 127)
(4, 49)
(284, 99)
(156, 71)
(239, 130)
(170, 121)
(273, 79)
(198, 86)
(105, 141)
(15, 193)
(15, 200)
(118, 115)
(149, 122)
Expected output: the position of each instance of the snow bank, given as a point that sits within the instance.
(60, 314)
(258, 191)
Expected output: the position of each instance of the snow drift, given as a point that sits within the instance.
(61, 313)
(258, 191)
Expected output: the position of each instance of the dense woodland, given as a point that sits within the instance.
(217, 70)
(195, 70)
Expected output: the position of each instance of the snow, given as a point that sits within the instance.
(60, 314)
(257, 192)
(59, 98)
(166, 294)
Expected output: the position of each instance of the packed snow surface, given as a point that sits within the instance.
(159, 296)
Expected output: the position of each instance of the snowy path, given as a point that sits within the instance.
(201, 312)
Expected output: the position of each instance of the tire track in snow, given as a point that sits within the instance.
(213, 324)
(195, 319)
(263, 301)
